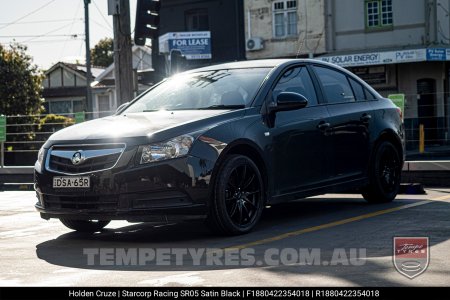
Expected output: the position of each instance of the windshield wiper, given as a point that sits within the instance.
(223, 106)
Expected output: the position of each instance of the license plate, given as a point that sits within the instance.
(71, 182)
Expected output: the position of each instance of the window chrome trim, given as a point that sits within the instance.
(88, 155)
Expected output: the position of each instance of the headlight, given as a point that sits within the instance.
(173, 148)
(40, 157)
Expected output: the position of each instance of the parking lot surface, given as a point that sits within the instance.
(329, 240)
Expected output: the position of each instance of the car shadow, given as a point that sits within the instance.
(69, 250)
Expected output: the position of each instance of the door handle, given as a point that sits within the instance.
(365, 118)
(323, 126)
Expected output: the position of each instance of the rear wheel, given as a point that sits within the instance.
(238, 197)
(84, 225)
(384, 174)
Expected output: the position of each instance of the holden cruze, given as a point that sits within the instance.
(222, 142)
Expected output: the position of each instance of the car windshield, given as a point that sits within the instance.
(227, 89)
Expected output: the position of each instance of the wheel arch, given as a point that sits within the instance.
(249, 149)
(390, 136)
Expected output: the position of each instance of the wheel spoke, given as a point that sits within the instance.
(248, 181)
(233, 209)
(240, 214)
(231, 181)
(247, 211)
(249, 202)
(243, 175)
(251, 193)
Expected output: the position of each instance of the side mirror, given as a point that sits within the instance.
(122, 107)
(287, 101)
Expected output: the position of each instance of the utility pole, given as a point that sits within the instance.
(88, 60)
(123, 68)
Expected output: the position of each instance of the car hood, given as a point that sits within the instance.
(132, 125)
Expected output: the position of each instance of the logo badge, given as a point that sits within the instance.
(78, 157)
(411, 255)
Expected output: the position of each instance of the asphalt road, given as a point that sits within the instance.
(35, 252)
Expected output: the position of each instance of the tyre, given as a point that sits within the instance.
(238, 197)
(384, 174)
(85, 225)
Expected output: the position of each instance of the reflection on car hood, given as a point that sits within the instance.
(132, 125)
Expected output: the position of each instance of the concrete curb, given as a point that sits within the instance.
(16, 187)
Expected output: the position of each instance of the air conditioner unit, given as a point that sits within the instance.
(254, 44)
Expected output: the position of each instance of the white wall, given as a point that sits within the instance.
(310, 29)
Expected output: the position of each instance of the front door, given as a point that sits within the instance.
(300, 151)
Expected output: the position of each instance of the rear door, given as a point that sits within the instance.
(300, 150)
(350, 121)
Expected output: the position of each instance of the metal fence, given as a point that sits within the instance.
(25, 134)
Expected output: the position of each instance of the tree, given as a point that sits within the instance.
(21, 82)
(103, 53)
(20, 101)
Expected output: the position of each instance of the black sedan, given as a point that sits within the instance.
(222, 142)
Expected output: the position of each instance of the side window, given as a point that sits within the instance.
(369, 95)
(357, 89)
(297, 80)
(335, 85)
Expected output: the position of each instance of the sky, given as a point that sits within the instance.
(53, 30)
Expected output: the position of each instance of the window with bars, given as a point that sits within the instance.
(378, 14)
(285, 18)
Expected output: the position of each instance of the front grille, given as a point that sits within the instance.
(81, 203)
(94, 158)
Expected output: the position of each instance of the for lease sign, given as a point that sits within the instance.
(192, 45)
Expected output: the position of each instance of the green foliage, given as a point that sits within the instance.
(20, 96)
(21, 82)
(53, 123)
(102, 54)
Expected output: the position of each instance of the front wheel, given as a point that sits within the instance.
(384, 174)
(84, 225)
(238, 197)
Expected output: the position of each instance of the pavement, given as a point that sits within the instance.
(36, 252)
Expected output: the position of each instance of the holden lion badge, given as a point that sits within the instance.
(411, 255)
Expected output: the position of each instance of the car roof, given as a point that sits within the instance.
(261, 63)
(272, 63)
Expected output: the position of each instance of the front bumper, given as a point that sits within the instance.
(159, 192)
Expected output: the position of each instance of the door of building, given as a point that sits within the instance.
(426, 109)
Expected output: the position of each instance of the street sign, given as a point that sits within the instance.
(192, 45)
(79, 117)
(2, 128)
(399, 100)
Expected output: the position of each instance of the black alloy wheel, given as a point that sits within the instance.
(238, 196)
(384, 174)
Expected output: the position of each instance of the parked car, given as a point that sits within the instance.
(222, 142)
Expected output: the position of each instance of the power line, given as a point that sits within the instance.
(56, 41)
(29, 14)
(47, 33)
(99, 24)
(38, 36)
(71, 26)
(42, 21)
(103, 17)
